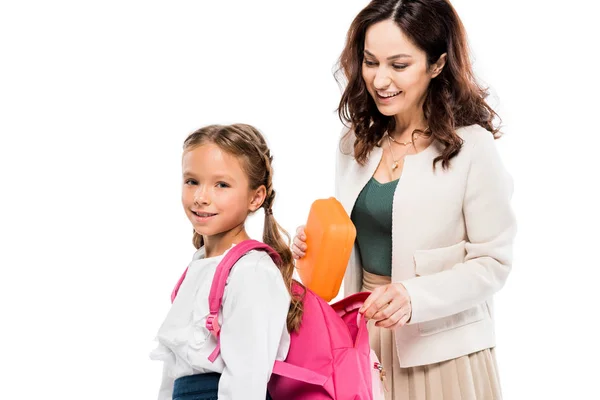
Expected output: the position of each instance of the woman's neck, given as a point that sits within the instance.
(406, 123)
(216, 245)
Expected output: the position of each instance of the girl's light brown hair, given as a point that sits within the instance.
(454, 99)
(248, 145)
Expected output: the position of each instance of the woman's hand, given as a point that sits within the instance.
(299, 243)
(389, 305)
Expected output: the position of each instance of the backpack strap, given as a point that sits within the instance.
(177, 286)
(297, 373)
(217, 289)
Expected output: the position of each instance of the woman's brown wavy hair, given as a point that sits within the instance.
(248, 145)
(454, 98)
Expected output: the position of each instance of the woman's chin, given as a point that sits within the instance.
(388, 111)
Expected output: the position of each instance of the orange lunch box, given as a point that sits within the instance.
(330, 236)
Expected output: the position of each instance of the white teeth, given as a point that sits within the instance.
(202, 214)
(387, 95)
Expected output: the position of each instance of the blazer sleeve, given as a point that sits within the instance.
(490, 228)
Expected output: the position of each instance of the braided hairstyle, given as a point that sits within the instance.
(248, 145)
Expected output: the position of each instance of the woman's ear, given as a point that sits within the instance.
(257, 198)
(439, 65)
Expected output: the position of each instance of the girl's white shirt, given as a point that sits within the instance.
(253, 327)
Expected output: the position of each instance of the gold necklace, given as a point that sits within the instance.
(397, 142)
(416, 133)
(394, 161)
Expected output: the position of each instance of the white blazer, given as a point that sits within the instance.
(452, 236)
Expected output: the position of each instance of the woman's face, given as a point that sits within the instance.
(395, 70)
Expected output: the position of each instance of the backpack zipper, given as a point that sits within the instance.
(382, 374)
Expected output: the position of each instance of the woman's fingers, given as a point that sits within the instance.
(378, 299)
(300, 233)
(296, 252)
(397, 319)
(389, 309)
(389, 303)
(299, 244)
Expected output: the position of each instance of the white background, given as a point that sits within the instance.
(97, 97)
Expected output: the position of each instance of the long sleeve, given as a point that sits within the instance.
(165, 392)
(490, 228)
(166, 388)
(255, 311)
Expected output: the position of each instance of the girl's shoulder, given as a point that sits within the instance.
(256, 271)
(255, 263)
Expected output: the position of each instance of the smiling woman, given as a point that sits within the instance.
(419, 174)
(394, 51)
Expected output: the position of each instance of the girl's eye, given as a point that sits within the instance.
(190, 182)
(222, 185)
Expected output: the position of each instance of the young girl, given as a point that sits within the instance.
(227, 175)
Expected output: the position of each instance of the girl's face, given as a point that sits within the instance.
(395, 70)
(216, 195)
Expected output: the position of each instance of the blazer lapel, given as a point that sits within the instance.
(354, 177)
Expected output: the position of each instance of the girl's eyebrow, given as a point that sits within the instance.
(224, 177)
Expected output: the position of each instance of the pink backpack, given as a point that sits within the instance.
(329, 357)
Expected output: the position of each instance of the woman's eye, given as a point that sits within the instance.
(399, 66)
(222, 185)
(370, 63)
(190, 182)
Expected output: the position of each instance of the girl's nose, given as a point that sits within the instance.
(201, 195)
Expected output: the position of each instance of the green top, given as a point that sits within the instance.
(372, 217)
